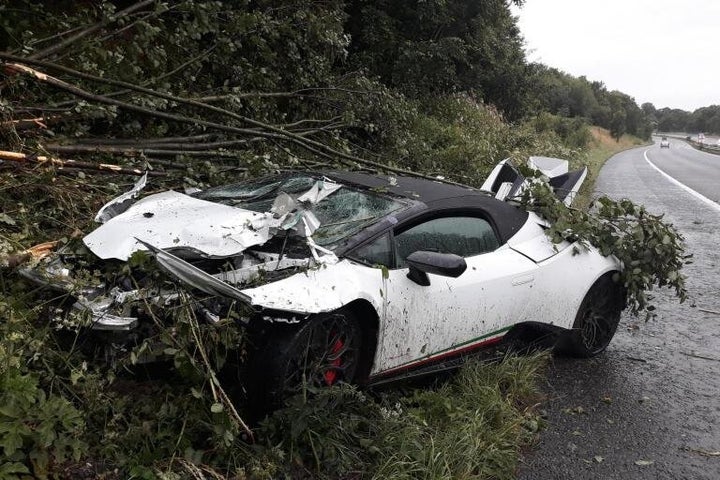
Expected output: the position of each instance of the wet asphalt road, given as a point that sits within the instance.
(649, 407)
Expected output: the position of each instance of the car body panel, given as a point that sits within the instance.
(175, 220)
(562, 282)
(320, 289)
(488, 296)
(532, 241)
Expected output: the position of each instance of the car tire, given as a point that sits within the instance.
(596, 320)
(324, 350)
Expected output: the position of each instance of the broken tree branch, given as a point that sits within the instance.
(272, 131)
(303, 92)
(56, 162)
(23, 123)
(55, 82)
(90, 30)
(146, 141)
(191, 150)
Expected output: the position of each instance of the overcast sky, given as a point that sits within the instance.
(662, 51)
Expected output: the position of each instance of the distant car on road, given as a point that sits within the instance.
(664, 143)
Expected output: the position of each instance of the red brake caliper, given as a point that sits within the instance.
(330, 375)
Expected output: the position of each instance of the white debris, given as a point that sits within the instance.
(319, 191)
(119, 204)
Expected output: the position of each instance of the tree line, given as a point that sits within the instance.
(283, 77)
(702, 120)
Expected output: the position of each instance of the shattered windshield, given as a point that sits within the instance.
(342, 214)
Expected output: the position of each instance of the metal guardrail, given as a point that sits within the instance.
(705, 147)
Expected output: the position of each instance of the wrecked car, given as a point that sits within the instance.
(363, 277)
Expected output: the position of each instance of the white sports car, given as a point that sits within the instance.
(355, 277)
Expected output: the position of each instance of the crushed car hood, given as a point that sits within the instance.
(172, 220)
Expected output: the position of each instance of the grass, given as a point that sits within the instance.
(472, 427)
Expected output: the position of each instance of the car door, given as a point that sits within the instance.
(451, 315)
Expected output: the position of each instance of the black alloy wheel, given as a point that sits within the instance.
(323, 351)
(596, 320)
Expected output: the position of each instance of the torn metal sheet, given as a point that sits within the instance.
(174, 220)
(549, 166)
(119, 204)
(248, 272)
(303, 222)
(193, 276)
(322, 189)
(101, 318)
(506, 182)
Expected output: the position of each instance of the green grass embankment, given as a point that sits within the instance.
(601, 148)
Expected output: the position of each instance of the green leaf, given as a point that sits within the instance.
(11, 440)
(216, 408)
(6, 469)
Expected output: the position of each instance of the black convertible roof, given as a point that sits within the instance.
(427, 191)
(437, 195)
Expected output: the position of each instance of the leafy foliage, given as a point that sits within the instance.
(38, 429)
(651, 251)
(440, 47)
(35, 428)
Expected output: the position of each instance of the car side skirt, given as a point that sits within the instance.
(438, 361)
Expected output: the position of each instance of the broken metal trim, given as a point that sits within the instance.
(241, 275)
(119, 204)
(110, 322)
(193, 276)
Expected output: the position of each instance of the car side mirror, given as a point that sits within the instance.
(446, 264)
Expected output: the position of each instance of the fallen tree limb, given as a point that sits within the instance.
(23, 123)
(55, 82)
(303, 92)
(316, 147)
(190, 151)
(180, 148)
(37, 252)
(56, 162)
(146, 141)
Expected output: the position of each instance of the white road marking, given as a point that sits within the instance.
(692, 192)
